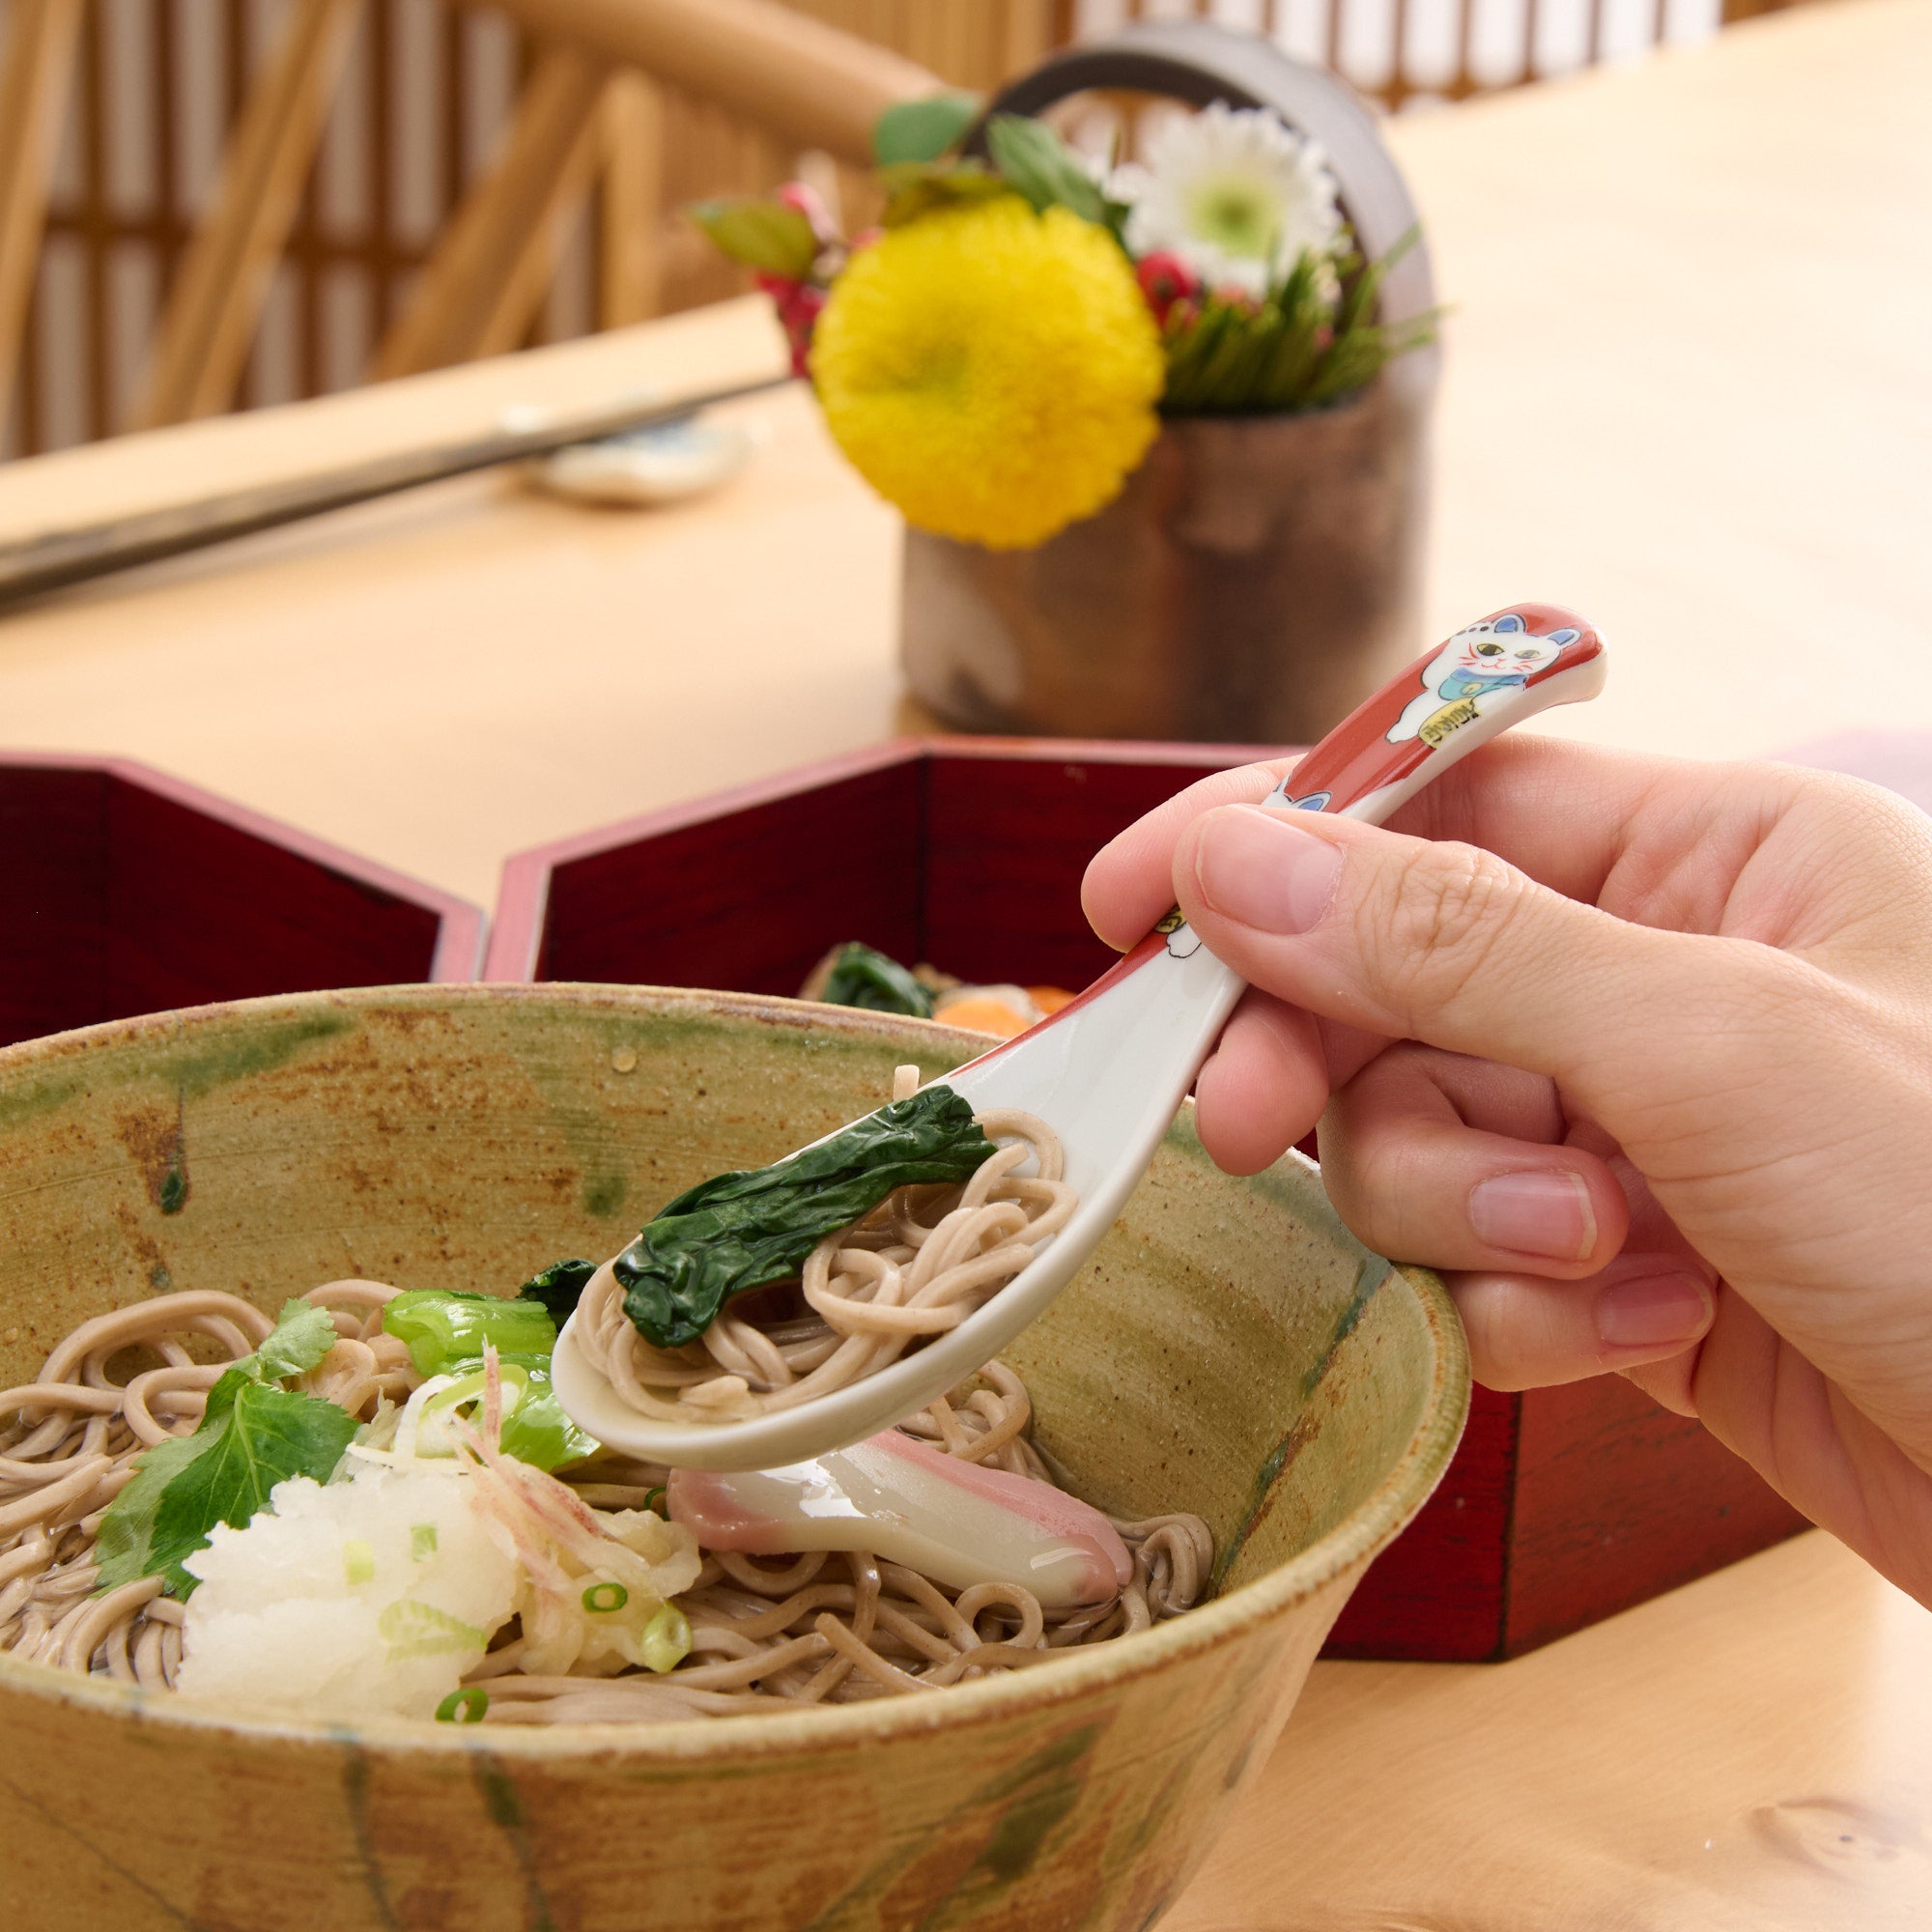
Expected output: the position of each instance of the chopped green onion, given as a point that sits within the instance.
(602, 1598)
(444, 1327)
(464, 1707)
(359, 1561)
(535, 1428)
(666, 1641)
(413, 1628)
(653, 1497)
(513, 1379)
(422, 1542)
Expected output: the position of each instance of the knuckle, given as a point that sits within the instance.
(1500, 1357)
(1449, 908)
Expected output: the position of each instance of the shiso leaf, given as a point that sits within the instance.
(253, 1437)
(744, 1230)
(302, 1336)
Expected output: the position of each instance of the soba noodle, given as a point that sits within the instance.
(817, 1629)
(919, 1265)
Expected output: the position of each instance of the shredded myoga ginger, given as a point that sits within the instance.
(595, 1586)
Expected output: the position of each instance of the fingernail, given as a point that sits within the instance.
(1260, 869)
(1648, 1310)
(1547, 1211)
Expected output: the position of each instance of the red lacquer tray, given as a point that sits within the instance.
(127, 892)
(1562, 1505)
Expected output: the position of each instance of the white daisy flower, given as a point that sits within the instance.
(1234, 193)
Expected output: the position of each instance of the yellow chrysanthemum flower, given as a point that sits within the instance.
(991, 371)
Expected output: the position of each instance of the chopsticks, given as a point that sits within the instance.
(55, 558)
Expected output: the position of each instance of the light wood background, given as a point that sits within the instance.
(1687, 392)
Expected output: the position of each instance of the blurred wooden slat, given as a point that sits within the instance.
(471, 288)
(631, 221)
(1025, 37)
(216, 301)
(36, 67)
(519, 301)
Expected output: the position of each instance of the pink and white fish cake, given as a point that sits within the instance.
(897, 1499)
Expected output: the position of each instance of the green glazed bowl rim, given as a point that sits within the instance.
(702, 1741)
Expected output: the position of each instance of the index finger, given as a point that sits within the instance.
(1555, 810)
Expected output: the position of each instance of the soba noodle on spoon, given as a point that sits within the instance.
(953, 1207)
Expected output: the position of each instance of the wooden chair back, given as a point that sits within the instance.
(616, 92)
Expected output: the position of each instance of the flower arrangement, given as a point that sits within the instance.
(995, 357)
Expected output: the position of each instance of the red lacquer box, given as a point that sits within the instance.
(1562, 1505)
(127, 892)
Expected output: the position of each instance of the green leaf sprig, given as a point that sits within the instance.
(762, 234)
(922, 130)
(252, 1436)
(1036, 163)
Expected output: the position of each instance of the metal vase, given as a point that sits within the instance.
(1257, 578)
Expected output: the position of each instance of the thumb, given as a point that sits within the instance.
(1418, 939)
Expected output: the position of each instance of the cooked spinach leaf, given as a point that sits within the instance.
(862, 978)
(252, 1436)
(743, 1231)
(559, 1287)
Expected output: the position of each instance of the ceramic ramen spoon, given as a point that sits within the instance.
(1109, 1070)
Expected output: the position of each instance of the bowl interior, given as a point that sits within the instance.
(1230, 1350)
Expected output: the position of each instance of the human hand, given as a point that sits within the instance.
(1644, 1066)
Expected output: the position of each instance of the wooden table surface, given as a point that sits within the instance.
(1687, 392)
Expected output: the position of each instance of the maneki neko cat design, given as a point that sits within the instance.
(1501, 653)
(1373, 760)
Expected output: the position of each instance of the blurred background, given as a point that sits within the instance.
(373, 120)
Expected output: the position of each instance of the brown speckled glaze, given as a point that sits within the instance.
(1230, 1350)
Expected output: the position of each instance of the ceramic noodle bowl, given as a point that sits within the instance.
(1230, 1350)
